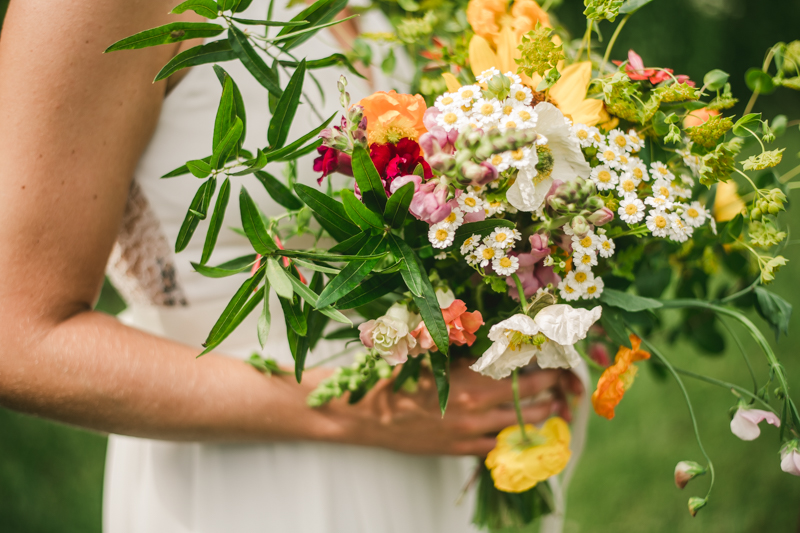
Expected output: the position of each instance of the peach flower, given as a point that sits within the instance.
(461, 326)
(392, 116)
(489, 17)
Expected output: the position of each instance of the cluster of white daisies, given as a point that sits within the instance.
(663, 208)
(581, 282)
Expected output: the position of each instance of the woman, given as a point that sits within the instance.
(210, 445)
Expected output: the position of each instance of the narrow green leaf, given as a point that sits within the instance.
(205, 8)
(276, 155)
(612, 323)
(411, 270)
(217, 217)
(225, 114)
(330, 213)
(222, 327)
(302, 32)
(252, 61)
(397, 206)
(180, 171)
(174, 32)
(441, 375)
(227, 5)
(297, 154)
(254, 226)
(227, 144)
(358, 212)
(315, 267)
(352, 245)
(191, 220)
(369, 181)
(342, 334)
(278, 130)
(265, 319)
(321, 256)
(432, 315)
(482, 228)
(213, 52)
(242, 6)
(199, 168)
(255, 164)
(271, 23)
(331, 60)
(293, 314)
(628, 302)
(279, 279)
(353, 273)
(633, 5)
(319, 12)
(229, 268)
(311, 298)
(370, 290)
(278, 191)
(238, 102)
(775, 310)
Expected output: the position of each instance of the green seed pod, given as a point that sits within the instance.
(774, 208)
(755, 214)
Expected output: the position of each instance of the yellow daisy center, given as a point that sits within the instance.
(586, 242)
(465, 108)
(609, 155)
(497, 159)
(663, 171)
(487, 109)
(468, 242)
(524, 115)
(508, 109)
(628, 185)
(451, 217)
(583, 135)
(517, 155)
(450, 118)
(441, 235)
(621, 142)
(447, 100)
(663, 191)
(592, 289)
(606, 245)
(586, 259)
(580, 277)
(637, 172)
(470, 201)
(495, 205)
(505, 262)
(500, 237)
(568, 289)
(604, 176)
(660, 222)
(488, 253)
(467, 94)
(511, 124)
(520, 96)
(631, 209)
(692, 212)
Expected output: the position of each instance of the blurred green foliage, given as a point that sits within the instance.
(51, 475)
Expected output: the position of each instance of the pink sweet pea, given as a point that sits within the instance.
(790, 458)
(745, 422)
(430, 198)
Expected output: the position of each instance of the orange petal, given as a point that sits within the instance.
(481, 55)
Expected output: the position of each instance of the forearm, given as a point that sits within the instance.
(93, 371)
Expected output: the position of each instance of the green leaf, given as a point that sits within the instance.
(315, 267)
(229, 268)
(330, 213)
(775, 310)
(714, 80)
(660, 124)
(628, 302)
(238, 101)
(369, 181)
(266, 365)
(352, 245)
(321, 256)
(758, 80)
(254, 165)
(227, 144)
(265, 319)
(276, 155)
(279, 279)
(412, 270)
(252, 61)
(750, 121)
(242, 6)
(227, 5)
(311, 298)
(297, 154)
(174, 32)
(180, 171)
(199, 204)
(321, 12)
(331, 60)
(389, 62)
(205, 8)
(234, 312)
(199, 168)
(281, 121)
(293, 313)
(732, 229)
(342, 334)
(358, 212)
(316, 319)
(633, 5)
(441, 375)
(225, 114)
(213, 52)
(432, 315)
(215, 224)
(370, 290)
(278, 191)
(482, 228)
(409, 370)
(612, 323)
(397, 206)
(353, 273)
(254, 226)
(270, 23)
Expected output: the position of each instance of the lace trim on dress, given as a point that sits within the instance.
(141, 264)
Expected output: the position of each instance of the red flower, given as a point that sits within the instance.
(636, 71)
(331, 160)
(395, 160)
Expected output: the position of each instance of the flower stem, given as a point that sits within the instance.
(744, 355)
(522, 301)
(612, 41)
(517, 406)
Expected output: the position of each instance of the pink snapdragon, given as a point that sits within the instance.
(436, 139)
(745, 422)
(430, 198)
(532, 272)
(389, 335)
(461, 326)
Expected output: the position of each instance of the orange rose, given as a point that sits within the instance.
(392, 116)
(617, 378)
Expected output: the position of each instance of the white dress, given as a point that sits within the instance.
(296, 487)
(289, 487)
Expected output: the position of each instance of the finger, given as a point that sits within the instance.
(530, 385)
(497, 419)
(571, 383)
(479, 447)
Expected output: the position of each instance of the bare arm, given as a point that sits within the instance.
(74, 123)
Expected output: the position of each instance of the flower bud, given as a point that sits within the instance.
(755, 214)
(593, 203)
(556, 203)
(601, 217)
(685, 471)
(442, 162)
(344, 99)
(580, 226)
(790, 457)
(774, 208)
(695, 504)
(342, 83)
(355, 114)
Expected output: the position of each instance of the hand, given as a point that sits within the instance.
(478, 409)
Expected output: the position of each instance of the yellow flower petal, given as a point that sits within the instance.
(481, 55)
(589, 112)
(507, 50)
(727, 203)
(452, 83)
(570, 90)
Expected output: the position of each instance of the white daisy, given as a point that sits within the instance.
(501, 238)
(660, 170)
(603, 177)
(624, 160)
(695, 214)
(467, 94)
(658, 223)
(487, 112)
(663, 188)
(635, 141)
(440, 256)
(659, 202)
(520, 94)
(505, 265)
(584, 261)
(594, 289)
(469, 244)
(494, 208)
(472, 258)
(447, 102)
(580, 279)
(567, 229)
(487, 75)
(678, 231)
(470, 202)
(638, 169)
(568, 291)
(453, 119)
(598, 139)
(501, 162)
(627, 184)
(524, 157)
(528, 116)
(510, 122)
(441, 236)
(606, 246)
(454, 220)
(608, 155)
(631, 209)
(584, 134)
(618, 139)
(486, 254)
(515, 79)
(587, 244)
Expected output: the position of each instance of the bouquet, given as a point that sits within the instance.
(540, 206)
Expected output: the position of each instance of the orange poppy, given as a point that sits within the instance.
(617, 378)
(392, 116)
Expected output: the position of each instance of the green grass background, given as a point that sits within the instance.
(51, 475)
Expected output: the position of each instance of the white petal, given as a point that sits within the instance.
(565, 324)
(744, 428)
(554, 355)
(569, 161)
(498, 361)
(526, 195)
(519, 322)
(445, 297)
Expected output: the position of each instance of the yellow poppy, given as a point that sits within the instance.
(727, 203)
(517, 466)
